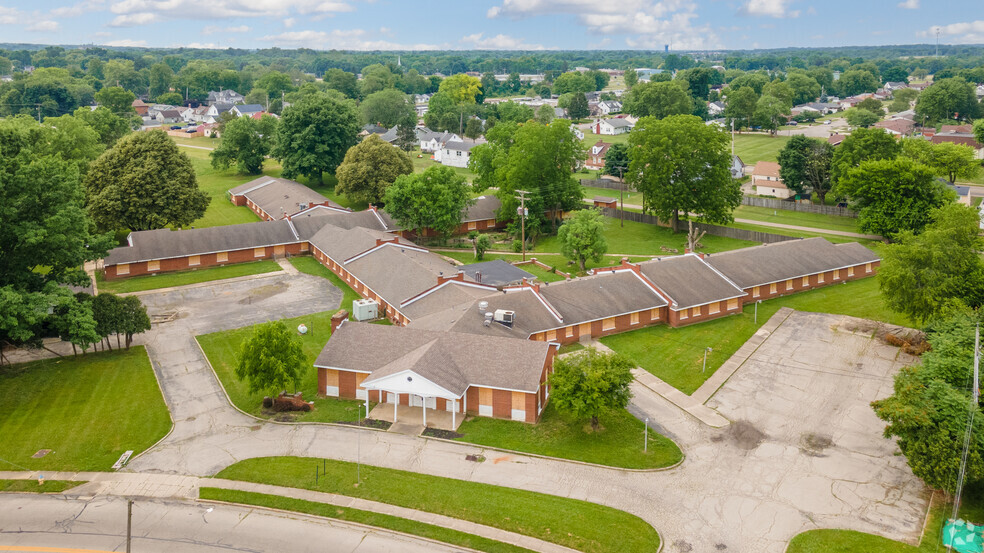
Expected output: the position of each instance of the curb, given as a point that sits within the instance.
(153, 368)
(561, 460)
(278, 272)
(356, 524)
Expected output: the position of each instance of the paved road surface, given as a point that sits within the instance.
(174, 526)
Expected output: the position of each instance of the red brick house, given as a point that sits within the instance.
(272, 198)
(445, 371)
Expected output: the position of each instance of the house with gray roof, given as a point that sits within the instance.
(696, 291)
(275, 198)
(456, 153)
(452, 372)
(247, 110)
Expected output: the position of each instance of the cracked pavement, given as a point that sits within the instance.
(804, 449)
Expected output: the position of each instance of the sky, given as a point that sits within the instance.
(491, 24)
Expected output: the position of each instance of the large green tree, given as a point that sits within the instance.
(921, 273)
(856, 81)
(314, 135)
(160, 78)
(271, 358)
(946, 159)
(387, 108)
(931, 406)
(741, 106)
(582, 237)
(616, 160)
(770, 112)
(659, 100)
(369, 168)
(952, 98)
(893, 195)
(804, 163)
(109, 126)
(861, 118)
(588, 384)
(862, 145)
(682, 165)
(144, 182)
(243, 145)
(805, 88)
(578, 108)
(434, 199)
(117, 100)
(574, 81)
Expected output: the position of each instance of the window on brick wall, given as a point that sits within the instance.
(820, 278)
(755, 292)
(684, 314)
(850, 271)
(634, 318)
(837, 274)
(608, 324)
(153, 265)
(695, 312)
(304, 247)
(806, 281)
(713, 308)
(867, 267)
(569, 332)
(472, 225)
(194, 260)
(259, 252)
(654, 314)
(552, 336)
(732, 304)
(222, 257)
(773, 288)
(123, 269)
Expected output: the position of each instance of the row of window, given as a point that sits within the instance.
(821, 279)
(196, 260)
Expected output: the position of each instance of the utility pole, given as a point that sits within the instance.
(621, 196)
(937, 42)
(129, 518)
(522, 215)
(39, 114)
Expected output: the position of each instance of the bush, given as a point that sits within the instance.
(482, 244)
(517, 246)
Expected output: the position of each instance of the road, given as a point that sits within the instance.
(69, 525)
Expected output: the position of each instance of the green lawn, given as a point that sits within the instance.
(619, 443)
(49, 486)
(422, 161)
(630, 197)
(182, 278)
(216, 183)
(569, 522)
(87, 410)
(590, 139)
(438, 533)
(570, 348)
(542, 274)
(803, 233)
(554, 260)
(676, 355)
(752, 148)
(642, 239)
(222, 349)
(203, 141)
(803, 219)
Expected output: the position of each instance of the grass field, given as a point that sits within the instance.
(438, 533)
(216, 183)
(424, 161)
(569, 522)
(222, 349)
(642, 239)
(629, 197)
(32, 486)
(87, 410)
(182, 278)
(554, 260)
(619, 442)
(752, 148)
(803, 219)
(804, 234)
(676, 354)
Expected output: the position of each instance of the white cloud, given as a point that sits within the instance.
(101, 34)
(769, 8)
(78, 9)
(211, 29)
(970, 32)
(126, 42)
(644, 23)
(498, 42)
(289, 22)
(9, 16)
(909, 4)
(44, 26)
(348, 39)
(133, 19)
(219, 9)
(205, 45)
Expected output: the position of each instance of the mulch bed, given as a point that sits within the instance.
(368, 423)
(445, 434)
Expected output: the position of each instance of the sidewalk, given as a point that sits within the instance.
(186, 487)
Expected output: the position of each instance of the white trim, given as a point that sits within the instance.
(518, 415)
(450, 395)
(380, 219)
(861, 264)
(719, 273)
(321, 206)
(433, 289)
(257, 187)
(317, 366)
(292, 229)
(598, 319)
(205, 253)
(681, 308)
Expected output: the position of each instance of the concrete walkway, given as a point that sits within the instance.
(193, 146)
(164, 486)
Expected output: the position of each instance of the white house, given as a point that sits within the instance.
(187, 114)
(227, 96)
(168, 116)
(981, 208)
(577, 132)
(737, 167)
(767, 182)
(715, 108)
(434, 142)
(608, 107)
(613, 126)
(247, 110)
(456, 152)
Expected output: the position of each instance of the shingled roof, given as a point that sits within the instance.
(279, 197)
(451, 360)
(689, 281)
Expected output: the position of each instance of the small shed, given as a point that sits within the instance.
(605, 201)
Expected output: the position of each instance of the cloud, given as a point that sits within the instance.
(101, 34)
(498, 42)
(909, 4)
(223, 9)
(204, 46)
(212, 29)
(133, 19)
(970, 32)
(78, 9)
(347, 39)
(44, 26)
(769, 8)
(645, 23)
(9, 16)
(126, 42)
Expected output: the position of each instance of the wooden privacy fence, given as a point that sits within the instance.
(715, 230)
(606, 183)
(771, 203)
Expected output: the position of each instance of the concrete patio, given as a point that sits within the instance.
(406, 416)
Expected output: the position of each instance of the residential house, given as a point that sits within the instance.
(274, 198)
(140, 107)
(596, 155)
(215, 111)
(187, 114)
(608, 107)
(613, 127)
(836, 139)
(371, 128)
(892, 86)
(456, 153)
(434, 142)
(605, 201)
(737, 167)
(168, 116)
(899, 127)
(247, 110)
(962, 192)
(767, 182)
(715, 109)
(560, 113)
(965, 138)
(577, 132)
(224, 97)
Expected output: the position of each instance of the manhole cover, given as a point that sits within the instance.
(41, 453)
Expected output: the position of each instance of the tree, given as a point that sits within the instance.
(589, 383)
(582, 237)
(160, 78)
(116, 99)
(861, 118)
(979, 131)
(314, 134)
(144, 182)
(930, 407)
(442, 113)
(107, 313)
(271, 358)
(805, 162)
(133, 318)
(342, 81)
(574, 81)
(891, 196)
(369, 168)
(682, 165)
(473, 128)
(741, 106)
(952, 98)
(513, 112)
(871, 104)
(805, 88)
(73, 320)
(862, 145)
(659, 100)
(902, 99)
(482, 245)
(387, 108)
(461, 88)
(275, 83)
(631, 78)
(243, 145)
(755, 81)
(434, 199)
(856, 82)
(616, 160)
(946, 159)
(780, 90)
(921, 273)
(170, 98)
(770, 112)
(545, 114)
(406, 136)
(578, 108)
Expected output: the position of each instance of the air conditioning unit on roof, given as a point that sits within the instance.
(365, 310)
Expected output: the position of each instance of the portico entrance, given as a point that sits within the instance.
(415, 416)
(407, 397)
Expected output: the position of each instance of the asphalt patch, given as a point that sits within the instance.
(814, 444)
(744, 435)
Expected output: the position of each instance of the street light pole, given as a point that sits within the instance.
(129, 517)
(706, 351)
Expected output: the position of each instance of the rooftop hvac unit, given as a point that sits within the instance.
(488, 319)
(504, 317)
(365, 310)
(483, 306)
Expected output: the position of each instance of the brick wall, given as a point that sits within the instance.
(810, 282)
(703, 313)
(205, 260)
(622, 323)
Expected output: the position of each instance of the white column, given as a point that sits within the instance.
(395, 405)
(423, 402)
(367, 403)
(453, 413)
